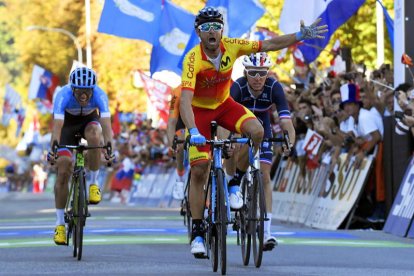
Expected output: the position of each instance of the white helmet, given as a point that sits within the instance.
(260, 59)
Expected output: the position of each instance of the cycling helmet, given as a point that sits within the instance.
(260, 59)
(208, 14)
(82, 77)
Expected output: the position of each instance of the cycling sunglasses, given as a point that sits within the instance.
(205, 27)
(254, 73)
(80, 91)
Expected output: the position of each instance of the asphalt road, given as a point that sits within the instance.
(121, 240)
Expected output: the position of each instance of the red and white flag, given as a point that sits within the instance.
(158, 93)
(42, 84)
(298, 57)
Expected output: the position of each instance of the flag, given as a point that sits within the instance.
(136, 19)
(298, 57)
(11, 102)
(405, 59)
(389, 23)
(21, 116)
(334, 13)
(116, 125)
(262, 33)
(42, 84)
(158, 94)
(251, 10)
(282, 55)
(176, 25)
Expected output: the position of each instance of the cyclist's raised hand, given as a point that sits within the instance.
(312, 31)
(196, 138)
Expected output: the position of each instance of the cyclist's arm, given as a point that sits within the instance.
(172, 122)
(278, 42)
(278, 97)
(106, 129)
(186, 110)
(56, 131)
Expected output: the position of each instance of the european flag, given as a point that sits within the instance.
(249, 10)
(136, 19)
(334, 13)
(176, 25)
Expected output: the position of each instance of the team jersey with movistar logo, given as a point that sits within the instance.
(272, 94)
(211, 87)
(66, 102)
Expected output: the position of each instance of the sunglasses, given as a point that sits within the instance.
(257, 73)
(205, 27)
(80, 91)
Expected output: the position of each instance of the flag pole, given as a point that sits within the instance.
(88, 33)
(380, 33)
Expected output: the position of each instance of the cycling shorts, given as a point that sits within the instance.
(266, 152)
(229, 114)
(73, 125)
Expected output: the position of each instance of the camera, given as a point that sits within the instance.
(399, 115)
(308, 118)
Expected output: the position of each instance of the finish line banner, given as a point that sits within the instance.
(399, 221)
(318, 199)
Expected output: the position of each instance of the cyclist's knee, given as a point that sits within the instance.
(256, 133)
(64, 166)
(93, 134)
(199, 170)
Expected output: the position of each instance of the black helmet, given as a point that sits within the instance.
(208, 14)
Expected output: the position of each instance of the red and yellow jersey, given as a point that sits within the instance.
(175, 103)
(211, 87)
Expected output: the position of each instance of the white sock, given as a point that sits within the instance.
(94, 177)
(228, 177)
(267, 224)
(60, 217)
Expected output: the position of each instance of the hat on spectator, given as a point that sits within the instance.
(350, 94)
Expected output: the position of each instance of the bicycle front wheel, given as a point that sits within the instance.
(81, 216)
(221, 220)
(258, 216)
(245, 236)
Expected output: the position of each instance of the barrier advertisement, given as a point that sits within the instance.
(318, 199)
(400, 217)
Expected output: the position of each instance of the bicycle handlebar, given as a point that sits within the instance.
(81, 147)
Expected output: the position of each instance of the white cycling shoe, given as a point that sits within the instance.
(235, 197)
(269, 243)
(178, 190)
(197, 247)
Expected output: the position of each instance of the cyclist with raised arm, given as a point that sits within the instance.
(258, 93)
(205, 96)
(79, 107)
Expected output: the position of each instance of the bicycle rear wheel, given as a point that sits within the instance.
(81, 204)
(221, 220)
(245, 237)
(258, 214)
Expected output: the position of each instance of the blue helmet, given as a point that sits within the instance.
(82, 77)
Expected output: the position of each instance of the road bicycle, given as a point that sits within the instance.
(218, 206)
(249, 220)
(76, 208)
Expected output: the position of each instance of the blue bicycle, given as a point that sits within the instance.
(219, 207)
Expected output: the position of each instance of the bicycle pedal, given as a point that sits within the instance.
(183, 212)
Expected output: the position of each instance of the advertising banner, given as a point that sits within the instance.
(318, 199)
(400, 217)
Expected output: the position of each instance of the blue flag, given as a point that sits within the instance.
(239, 17)
(176, 25)
(389, 23)
(334, 13)
(135, 19)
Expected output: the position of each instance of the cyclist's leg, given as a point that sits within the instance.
(238, 118)
(178, 189)
(200, 165)
(265, 166)
(93, 134)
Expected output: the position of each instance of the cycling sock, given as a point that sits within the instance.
(94, 176)
(60, 217)
(180, 175)
(197, 228)
(237, 178)
(267, 224)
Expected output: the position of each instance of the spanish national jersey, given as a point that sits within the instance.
(211, 87)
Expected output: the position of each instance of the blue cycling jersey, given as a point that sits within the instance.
(66, 102)
(272, 94)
